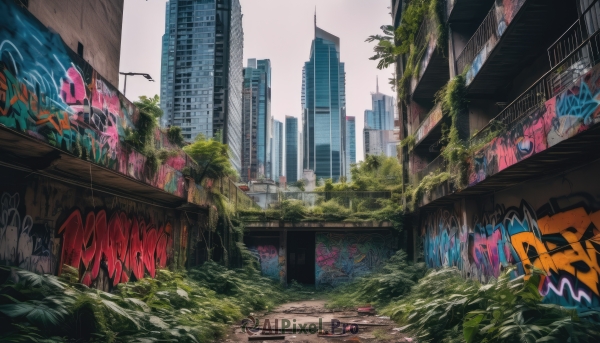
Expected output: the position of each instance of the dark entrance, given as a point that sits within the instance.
(301, 257)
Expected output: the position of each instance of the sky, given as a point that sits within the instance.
(279, 30)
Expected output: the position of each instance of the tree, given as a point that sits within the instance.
(212, 156)
(150, 106)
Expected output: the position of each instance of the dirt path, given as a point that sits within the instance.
(371, 328)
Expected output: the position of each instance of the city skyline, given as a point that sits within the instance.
(359, 20)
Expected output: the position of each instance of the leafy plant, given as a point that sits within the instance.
(175, 136)
(212, 156)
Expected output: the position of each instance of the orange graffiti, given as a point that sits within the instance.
(551, 257)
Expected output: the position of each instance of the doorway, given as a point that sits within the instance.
(301, 257)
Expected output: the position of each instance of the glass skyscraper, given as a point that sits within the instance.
(350, 144)
(378, 133)
(277, 148)
(381, 117)
(324, 102)
(202, 72)
(292, 152)
(257, 121)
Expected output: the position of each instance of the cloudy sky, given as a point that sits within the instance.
(282, 31)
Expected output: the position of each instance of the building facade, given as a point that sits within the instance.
(324, 106)
(202, 71)
(350, 144)
(526, 73)
(277, 149)
(293, 156)
(378, 132)
(257, 120)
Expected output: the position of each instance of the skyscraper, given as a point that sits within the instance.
(257, 121)
(323, 104)
(277, 149)
(293, 159)
(201, 70)
(381, 117)
(378, 132)
(350, 144)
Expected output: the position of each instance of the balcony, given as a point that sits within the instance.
(466, 10)
(429, 131)
(433, 65)
(552, 126)
(510, 38)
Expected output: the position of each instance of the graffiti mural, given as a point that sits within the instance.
(127, 245)
(343, 257)
(564, 242)
(573, 111)
(505, 12)
(429, 123)
(268, 259)
(23, 243)
(50, 93)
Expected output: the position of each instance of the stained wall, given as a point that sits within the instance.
(45, 223)
(551, 223)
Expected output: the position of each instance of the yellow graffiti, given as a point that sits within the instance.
(550, 257)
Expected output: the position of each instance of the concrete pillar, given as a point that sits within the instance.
(283, 257)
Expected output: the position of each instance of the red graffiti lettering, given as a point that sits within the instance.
(125, 246)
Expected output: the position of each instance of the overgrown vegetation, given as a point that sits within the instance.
(175, 136)
(212, 156)
(174, 307)
(401, 42)
(142, 137)
(394, 280)
(444, 307)
(343, 201)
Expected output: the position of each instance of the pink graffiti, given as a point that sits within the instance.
(325, 256)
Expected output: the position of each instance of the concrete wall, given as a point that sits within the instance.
(52, 95)
(342, 257)
(96, 24)
(45, 224)
(552, 224)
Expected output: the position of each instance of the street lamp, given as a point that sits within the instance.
(147, 76)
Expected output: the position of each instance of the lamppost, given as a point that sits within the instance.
(147, 76)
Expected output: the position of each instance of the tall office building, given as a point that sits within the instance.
(202, 71)
(257, 121)
(293, 156)
(350, 144)
(324, 102)
(381, 117)
(378, 133)
(277, 149)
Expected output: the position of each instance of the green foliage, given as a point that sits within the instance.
(427, 184)
(444, 307)
(150, 106)
(173, 307)
(395, 279)
(292, 210)
(409, 142)
(175, 137)
(212, 156)
(300, 184)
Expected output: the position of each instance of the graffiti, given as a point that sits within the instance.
(268, 259)
(343, 257)
(505, 11)
(429, 123)
(49, 93)
(126, 245)
(22, 242)
(562, 117)
(565, 243)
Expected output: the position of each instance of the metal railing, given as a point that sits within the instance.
(356, 201)
(554, 82)
(487, 30)
(437, 165)
(587, 24)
